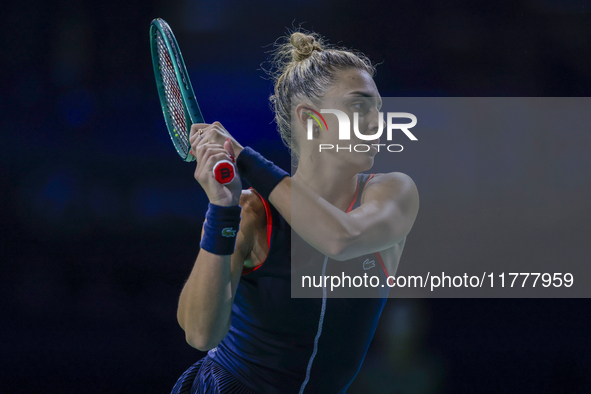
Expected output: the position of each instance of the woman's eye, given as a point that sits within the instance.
(360, 106)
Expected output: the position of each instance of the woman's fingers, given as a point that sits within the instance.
(230, 148)
(199, 142)
(203, 151)
(204, 173)
(209, 147)
(214, 158)
(207, 155)
(214, 132)
(194, 134)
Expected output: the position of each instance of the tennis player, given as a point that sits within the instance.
(236, 303)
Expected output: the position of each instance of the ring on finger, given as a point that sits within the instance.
(200, 131)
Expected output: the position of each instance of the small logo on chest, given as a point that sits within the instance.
(367, 264)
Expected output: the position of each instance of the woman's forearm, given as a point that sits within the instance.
(206, 300)
(384, 219)
(319, 223)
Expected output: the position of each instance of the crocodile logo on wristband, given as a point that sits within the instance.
(229, 232)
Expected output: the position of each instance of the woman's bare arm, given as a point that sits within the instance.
(386, 215)
(205, 304)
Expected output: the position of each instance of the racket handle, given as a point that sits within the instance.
(223, 171)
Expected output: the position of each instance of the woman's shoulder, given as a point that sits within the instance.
(392, 183)
(391, 179)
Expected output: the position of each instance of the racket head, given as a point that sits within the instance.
(177, 98)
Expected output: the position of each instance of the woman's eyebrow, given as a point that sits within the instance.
(364, 94)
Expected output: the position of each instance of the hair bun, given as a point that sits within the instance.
(304, 45)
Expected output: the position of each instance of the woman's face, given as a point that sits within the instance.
(354, 92)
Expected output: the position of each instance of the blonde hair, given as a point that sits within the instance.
(304, 65)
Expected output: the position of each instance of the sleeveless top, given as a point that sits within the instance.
(279, 344)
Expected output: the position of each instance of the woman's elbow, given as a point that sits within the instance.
(205, 340)
(201, 342)
(340, 248)
(343, 254)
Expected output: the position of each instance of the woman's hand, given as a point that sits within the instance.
(215, 133)
(207, 155)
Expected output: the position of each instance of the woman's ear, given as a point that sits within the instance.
(303, 114)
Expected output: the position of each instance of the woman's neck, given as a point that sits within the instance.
(335, 185)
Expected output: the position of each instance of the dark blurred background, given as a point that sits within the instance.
(100, 220)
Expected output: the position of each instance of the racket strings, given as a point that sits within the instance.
(171, 39)
(174, 98)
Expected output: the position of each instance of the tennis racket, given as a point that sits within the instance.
(177, 98)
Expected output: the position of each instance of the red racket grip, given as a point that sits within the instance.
(223, 171)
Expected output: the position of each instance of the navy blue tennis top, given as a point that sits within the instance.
(280, 344)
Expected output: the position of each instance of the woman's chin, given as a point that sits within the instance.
(367, 163)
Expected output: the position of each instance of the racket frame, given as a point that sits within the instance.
(189, 102)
